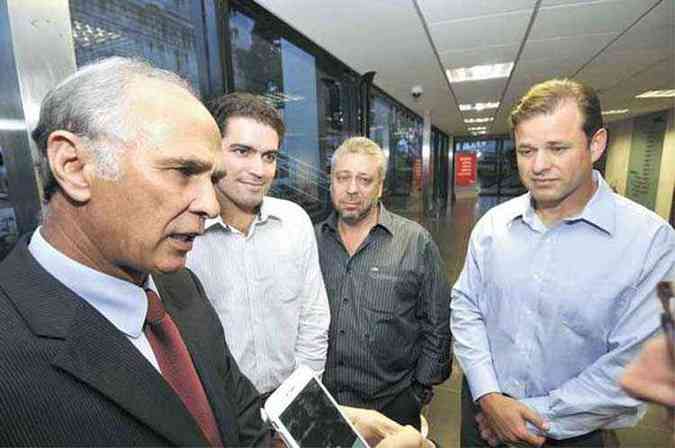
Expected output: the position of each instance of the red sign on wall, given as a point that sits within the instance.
(466, 169)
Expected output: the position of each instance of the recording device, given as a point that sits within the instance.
(306, 415)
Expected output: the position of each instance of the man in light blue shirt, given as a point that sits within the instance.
(556, 294)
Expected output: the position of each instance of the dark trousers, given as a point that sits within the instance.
(470, 435)
(404, 409)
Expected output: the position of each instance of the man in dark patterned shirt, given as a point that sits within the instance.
(387, 287)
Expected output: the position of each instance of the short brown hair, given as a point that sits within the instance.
(546, 97)
(246, 105)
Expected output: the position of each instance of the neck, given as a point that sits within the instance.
(62, 229)
(569, 207)
(235, 216)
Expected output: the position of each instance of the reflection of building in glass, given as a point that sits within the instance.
(160, 31)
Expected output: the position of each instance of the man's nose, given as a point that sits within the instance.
(205, 203)
(541, 162)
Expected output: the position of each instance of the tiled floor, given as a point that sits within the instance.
(451, 232)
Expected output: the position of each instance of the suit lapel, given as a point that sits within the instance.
(98, 354)
(189, 310)
(93, 350)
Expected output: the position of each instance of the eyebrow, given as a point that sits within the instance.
(192, 165)
(251, 148)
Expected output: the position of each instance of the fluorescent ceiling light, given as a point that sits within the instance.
(479, 120)
(478, 106)
(479, 133)
(657, 94)
(614, 111)
(479, 72)
(478, 128)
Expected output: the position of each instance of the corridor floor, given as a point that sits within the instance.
(451, 232)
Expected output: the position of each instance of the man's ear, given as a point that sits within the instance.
(598, 144)
(71, 164)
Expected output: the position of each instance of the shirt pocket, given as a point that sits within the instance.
(281, 276)
(393, 290)
(388, 310)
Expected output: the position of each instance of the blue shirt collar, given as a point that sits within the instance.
(599, 211)
(123, 303)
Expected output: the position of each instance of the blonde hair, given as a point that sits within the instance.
(545, 98)
(362, 145)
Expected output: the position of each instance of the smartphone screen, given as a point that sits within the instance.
(313, 421)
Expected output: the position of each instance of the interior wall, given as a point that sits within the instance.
(616, 171)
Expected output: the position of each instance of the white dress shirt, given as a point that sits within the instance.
(267, 289)
(123, 303)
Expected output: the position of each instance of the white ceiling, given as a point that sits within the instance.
(620, 47)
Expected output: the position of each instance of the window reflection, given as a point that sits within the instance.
(160, 31)
(8, 228)
(311, 95)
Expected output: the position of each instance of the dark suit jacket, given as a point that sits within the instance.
(68, 377)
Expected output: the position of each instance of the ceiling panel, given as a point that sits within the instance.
(581, 48)
(587, 17)
(479, 32)
(447, 10)
(479, 91)
(479, 56)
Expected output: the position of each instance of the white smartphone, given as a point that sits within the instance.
(306, 415)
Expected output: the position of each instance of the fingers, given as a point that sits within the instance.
(407, 437)
(534, 418)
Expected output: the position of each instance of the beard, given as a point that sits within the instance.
(356, 216)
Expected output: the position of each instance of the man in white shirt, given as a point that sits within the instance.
(258, 260)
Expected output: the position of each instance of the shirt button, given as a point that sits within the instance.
(341, 363)
(341, 331)
(345, 300)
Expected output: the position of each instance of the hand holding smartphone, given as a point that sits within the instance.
(306, 415)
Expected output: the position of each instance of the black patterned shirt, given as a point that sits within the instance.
(389, 307)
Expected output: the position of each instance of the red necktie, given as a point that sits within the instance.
(177, 367)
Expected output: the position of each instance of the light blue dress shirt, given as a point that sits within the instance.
(267, 289)
(123, 303)
(551, 316)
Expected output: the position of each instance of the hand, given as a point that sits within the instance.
(651, 376)
(407, 437)
(506, 418)
(372, 425)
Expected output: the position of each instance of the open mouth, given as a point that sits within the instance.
(183, 240)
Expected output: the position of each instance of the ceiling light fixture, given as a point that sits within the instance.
(657, 94)
(479, 72)
(478, 128)
(479, 120)
(614, 111)
(478, 107)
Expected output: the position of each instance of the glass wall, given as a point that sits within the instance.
(315, 95)
(399, 133)
(161, 31)
(8, 227)
(497, 167)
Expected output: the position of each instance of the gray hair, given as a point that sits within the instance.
(361, 145)
(92, 104)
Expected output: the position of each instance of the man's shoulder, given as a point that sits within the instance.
(631, 213)
(502, 214)
(286, 210)
(410, 227)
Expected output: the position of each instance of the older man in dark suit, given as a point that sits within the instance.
(132, 154)
(105, 338)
